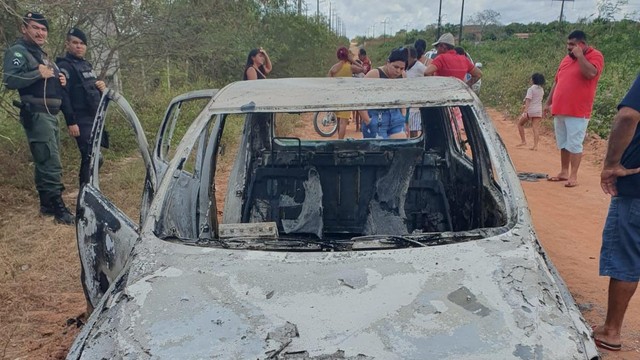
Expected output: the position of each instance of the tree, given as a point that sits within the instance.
(608, 9)
(484, 18)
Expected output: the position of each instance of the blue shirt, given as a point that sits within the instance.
(629, 186)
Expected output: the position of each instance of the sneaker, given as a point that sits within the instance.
(62, 214)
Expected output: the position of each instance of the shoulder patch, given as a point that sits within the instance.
(16, 62)
(17, 54)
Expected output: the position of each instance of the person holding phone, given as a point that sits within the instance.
(570, 102)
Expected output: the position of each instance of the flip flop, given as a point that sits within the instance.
(571, 184)
(605, 345)
(557, 178)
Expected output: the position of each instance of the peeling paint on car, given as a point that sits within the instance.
(470, 281)
(468, 301)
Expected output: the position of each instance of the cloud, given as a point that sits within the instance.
(367, 18)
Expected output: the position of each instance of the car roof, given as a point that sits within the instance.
(316, 94)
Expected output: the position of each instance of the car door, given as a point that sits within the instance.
(105, 234)
(180, 218)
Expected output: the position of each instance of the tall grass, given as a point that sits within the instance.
(508, 64)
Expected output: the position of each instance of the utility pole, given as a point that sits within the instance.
(561, 10)
(317, 11)
(330, 15)
(384, 29)
(439, 20)
(461, 16)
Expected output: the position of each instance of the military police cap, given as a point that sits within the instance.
(37, 17)
(78, 33)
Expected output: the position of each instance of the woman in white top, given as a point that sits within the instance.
(532, 109)
(414, 69)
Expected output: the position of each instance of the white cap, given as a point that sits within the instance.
(446, 38)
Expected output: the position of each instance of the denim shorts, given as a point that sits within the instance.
(620, 253)
(370, 131)
(383, 124)
(570, 132)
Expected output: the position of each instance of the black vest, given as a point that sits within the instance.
(81, 84)
(38, 90)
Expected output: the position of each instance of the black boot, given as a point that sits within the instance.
(62, 214)
(45, 205)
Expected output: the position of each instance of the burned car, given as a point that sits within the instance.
(258, 241)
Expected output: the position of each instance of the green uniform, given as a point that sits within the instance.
(42, 100)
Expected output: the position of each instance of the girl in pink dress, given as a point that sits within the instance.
(532, 110)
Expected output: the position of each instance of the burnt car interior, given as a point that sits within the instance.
(441, 181)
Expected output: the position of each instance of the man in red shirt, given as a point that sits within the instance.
(449, 63)
(571, 100)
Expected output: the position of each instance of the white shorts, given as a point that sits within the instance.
(415, 121)
(570, 132)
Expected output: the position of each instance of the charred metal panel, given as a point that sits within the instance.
(255, 138)
(310, 219)
(105, 240)
(179, 218)
(387, 207)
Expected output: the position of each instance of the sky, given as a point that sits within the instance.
(362, 17)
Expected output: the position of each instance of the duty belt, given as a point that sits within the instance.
(36, 105)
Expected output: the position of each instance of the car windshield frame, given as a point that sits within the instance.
(250, 242)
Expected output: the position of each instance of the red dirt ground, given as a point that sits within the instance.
(569, 224)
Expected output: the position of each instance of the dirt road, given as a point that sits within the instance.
(41, 297)
(569, 224)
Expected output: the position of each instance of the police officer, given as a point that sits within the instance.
(84, 92)
(40, 84)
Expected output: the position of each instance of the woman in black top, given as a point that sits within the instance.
(390, 123)
(258, 65)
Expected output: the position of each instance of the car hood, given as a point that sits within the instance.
(493, 298)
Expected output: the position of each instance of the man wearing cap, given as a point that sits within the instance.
(27, 69)
(85, 91)
(449, 63)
